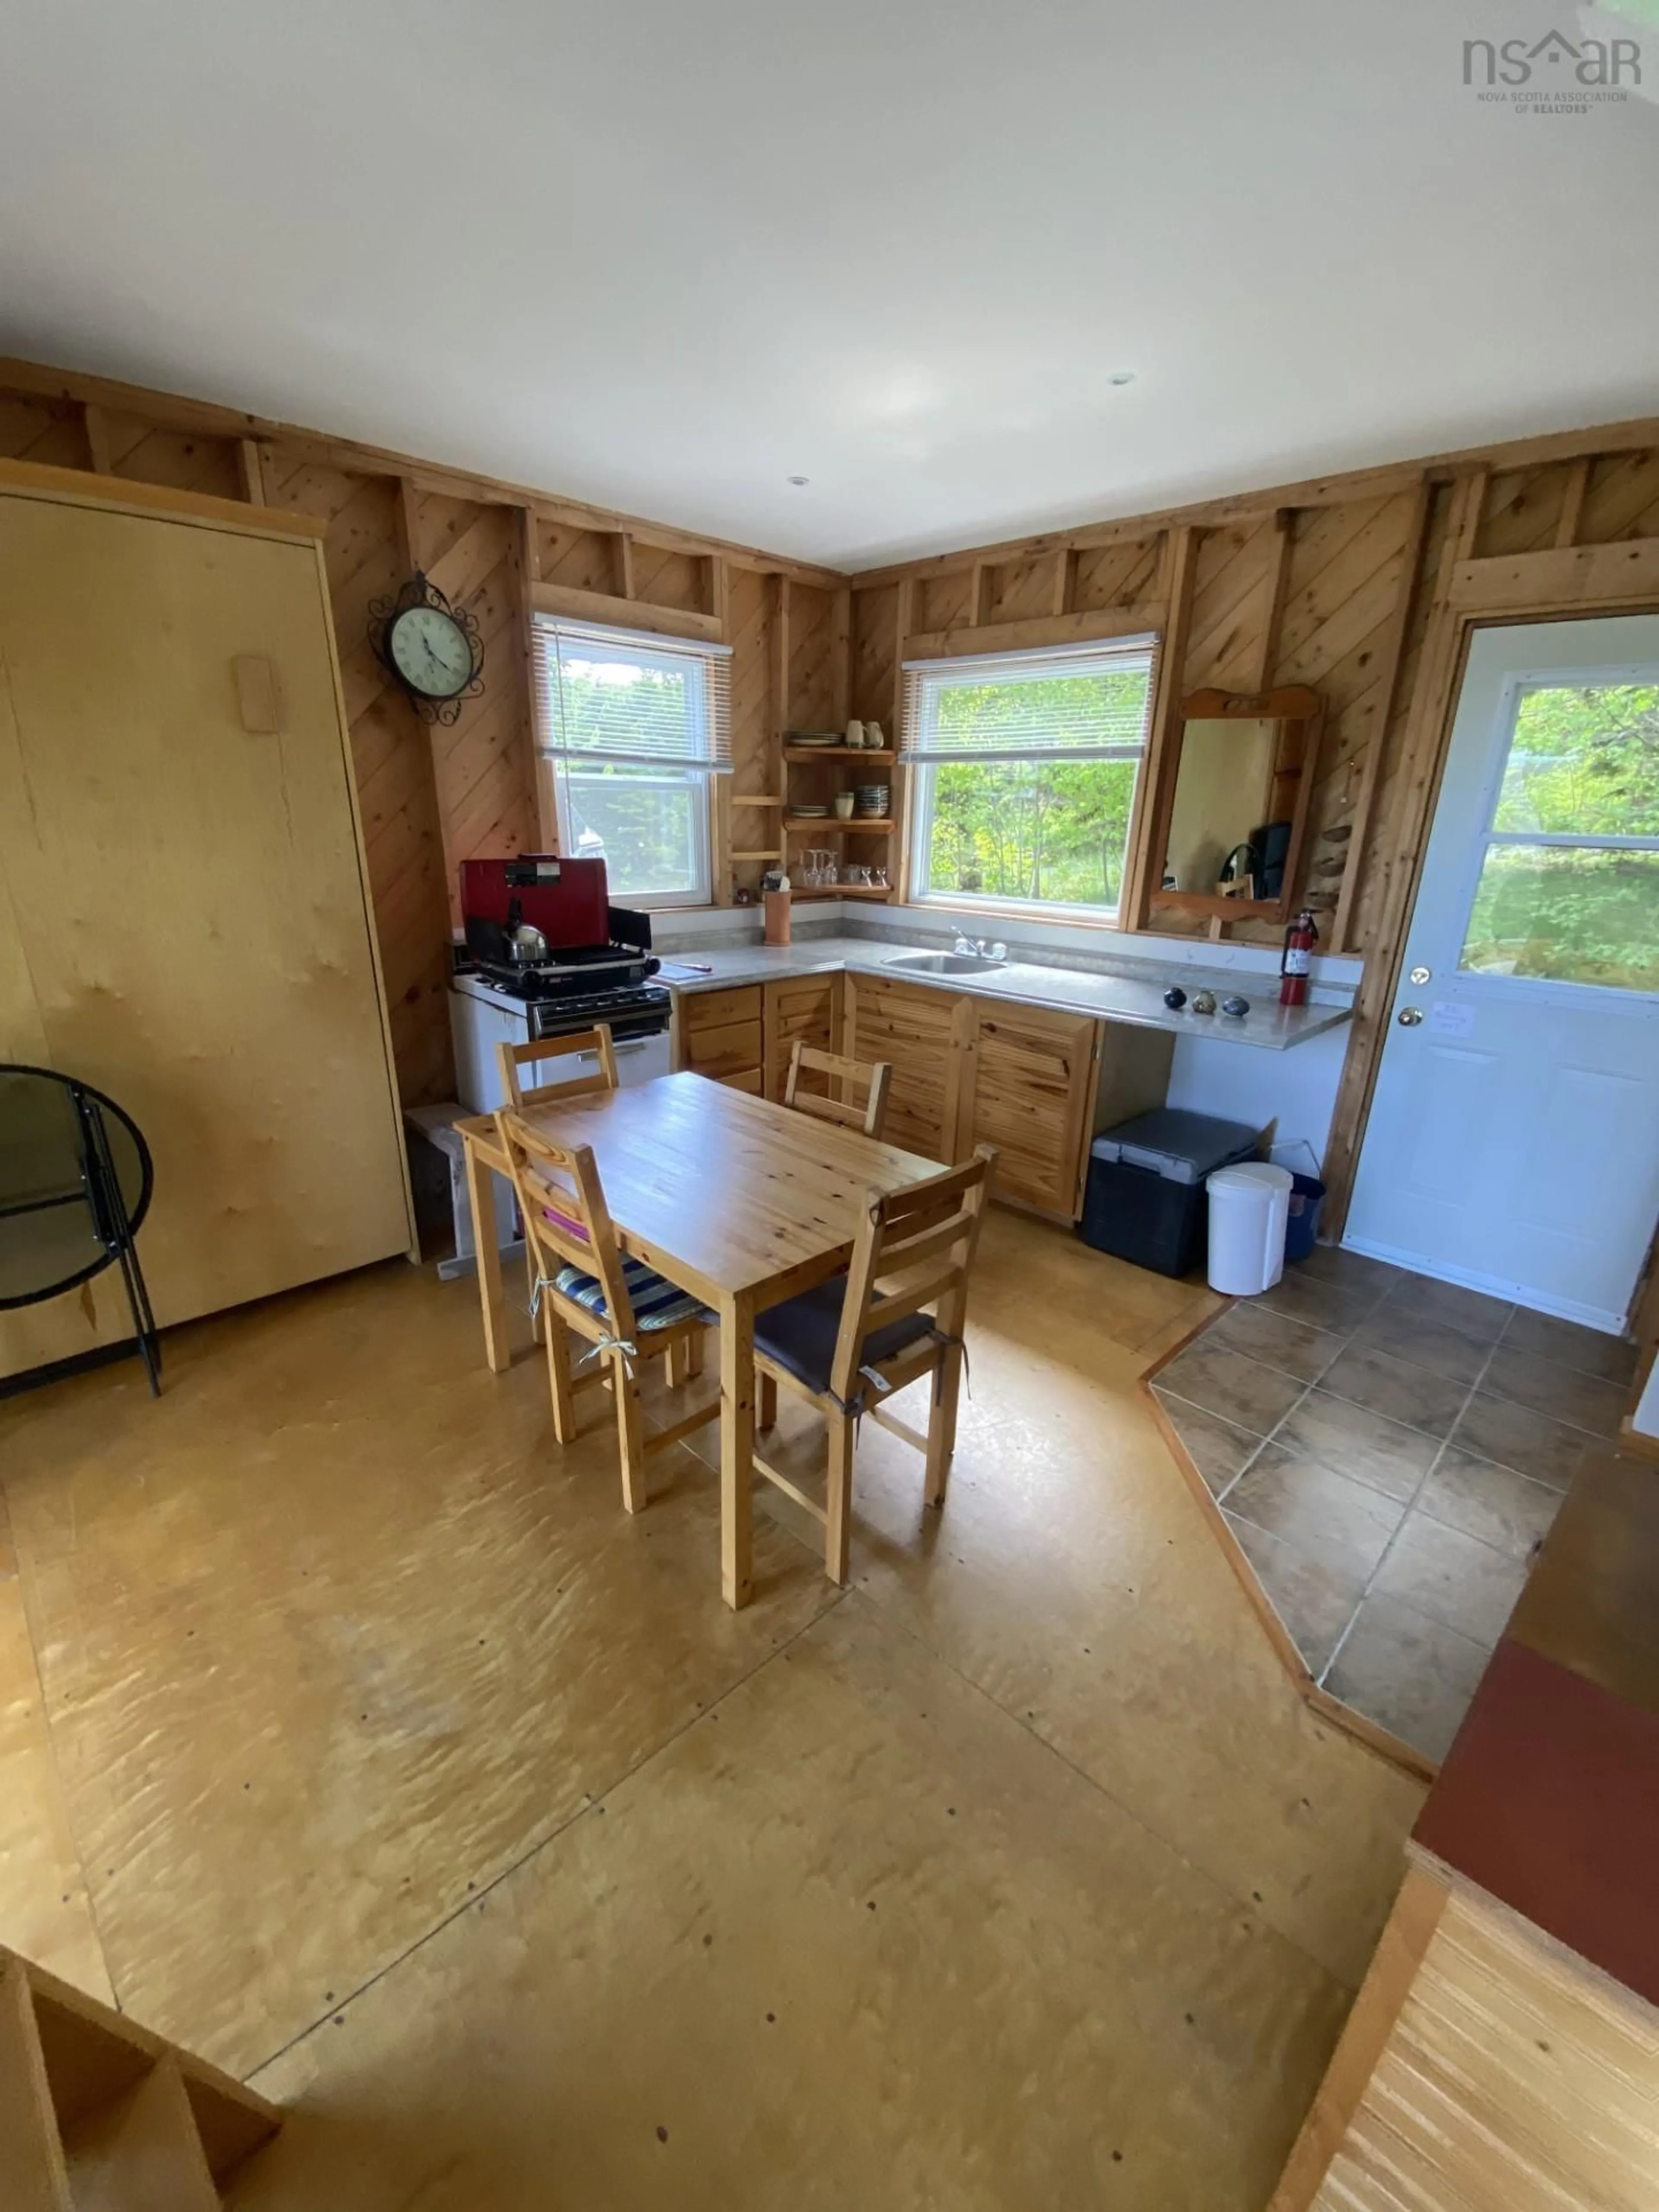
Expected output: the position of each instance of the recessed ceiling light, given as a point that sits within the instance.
(799, 480)
(1121, 376)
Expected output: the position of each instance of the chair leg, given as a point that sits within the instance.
(675, 1356)
(838, 1498)
(630, 1433)
(541, 1323)
(693, 1351)
(558, 1375)
(941, 1424)
(766, 1409)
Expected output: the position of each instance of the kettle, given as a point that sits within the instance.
(525, 944)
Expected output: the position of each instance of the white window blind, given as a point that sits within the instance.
(631, 697)
(1070, 702)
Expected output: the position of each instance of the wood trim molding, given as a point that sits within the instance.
(1036, 631)
(1569, 576)
(81, 487)
(1149, 820)
(625, 614)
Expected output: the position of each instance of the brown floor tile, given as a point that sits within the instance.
(1408, 1673)
(1241, 1390)
(1321, 1305)
(1215, 1447)
(1352, 1271)
(1498, 1429)
(1507, 1510)
(1339, 1523)
(1560, 1393)
(1314, 1601)
(1384, 1454)
(1591, 1351)
(1425, 1343)
(1452, 1577)
(1472, 1313)
(1277, 1340)
(1393, 1388)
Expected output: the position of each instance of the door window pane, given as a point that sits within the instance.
(1583, 761)
(1570, 915)
(649, 826)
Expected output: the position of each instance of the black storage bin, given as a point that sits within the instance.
(1145, 1199)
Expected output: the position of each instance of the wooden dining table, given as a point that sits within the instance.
(740, 1201)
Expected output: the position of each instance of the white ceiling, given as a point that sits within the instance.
(663, 254)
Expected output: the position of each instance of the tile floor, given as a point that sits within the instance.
(1388, 1450)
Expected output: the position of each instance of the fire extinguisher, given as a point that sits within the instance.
(1296, 959)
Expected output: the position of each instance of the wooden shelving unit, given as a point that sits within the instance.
(794, 753)
(873, 825)
(841, 890)
(810, 828)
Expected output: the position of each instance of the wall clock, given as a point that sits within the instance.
(432, 649)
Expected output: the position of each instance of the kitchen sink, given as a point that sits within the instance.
(944, 964)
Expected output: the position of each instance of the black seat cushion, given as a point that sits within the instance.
(800, 1333)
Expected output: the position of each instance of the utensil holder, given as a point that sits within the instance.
(777, 917)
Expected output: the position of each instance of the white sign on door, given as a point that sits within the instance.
(1451, 1017)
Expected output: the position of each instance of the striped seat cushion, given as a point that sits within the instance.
(657, 1303)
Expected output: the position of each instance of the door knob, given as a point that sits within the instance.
(1409, 1017)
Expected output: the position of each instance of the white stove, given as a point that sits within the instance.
(485, 1013)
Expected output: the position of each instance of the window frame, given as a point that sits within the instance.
(922, 773)
(706, 757)
(1539, 988)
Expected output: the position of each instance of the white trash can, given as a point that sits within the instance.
(1250, 1205)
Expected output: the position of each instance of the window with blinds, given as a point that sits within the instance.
(1024, 768)
(633, 726)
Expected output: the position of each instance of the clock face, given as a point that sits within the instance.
(431, 652)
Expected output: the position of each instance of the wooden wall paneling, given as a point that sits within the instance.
(145, 454)
(483, 762)
(841, 648)
(947, 602)
(1621, 498)
(580, 560)
(391, 761)
(875, 636)
(50, 433)
(811, 670)
(664, 577)
(1523, 511)
(1401, 838)
(1120, 576)
(1233, 587)
(1019, 591)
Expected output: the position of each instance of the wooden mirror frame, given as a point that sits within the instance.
(1302, 712)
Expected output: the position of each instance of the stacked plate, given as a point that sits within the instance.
(812, 737)
(869, 800)
(811, 813)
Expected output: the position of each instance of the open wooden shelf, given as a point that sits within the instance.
(842, 890)
(756, 799)
(840, 753)
(876, 825)
(765, 853)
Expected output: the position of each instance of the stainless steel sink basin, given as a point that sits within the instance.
(944, 964)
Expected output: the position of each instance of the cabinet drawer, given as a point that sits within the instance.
(713, 1010)
(801, 1011)
(749, 1080)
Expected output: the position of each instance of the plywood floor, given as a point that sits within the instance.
(353, 1736)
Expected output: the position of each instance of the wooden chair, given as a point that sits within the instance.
(846, 1077)
(510, 1058)
(897, 1314)
(584, 1284)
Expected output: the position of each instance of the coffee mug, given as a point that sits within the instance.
(844, 803)
(873, 737)
(855, 735)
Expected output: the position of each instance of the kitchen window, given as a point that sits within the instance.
(1023, 770)
(633, 728)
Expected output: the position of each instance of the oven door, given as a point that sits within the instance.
(638, 1060)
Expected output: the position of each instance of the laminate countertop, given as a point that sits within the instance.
(1136, 1001)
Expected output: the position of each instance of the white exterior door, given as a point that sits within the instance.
(1513, 1143)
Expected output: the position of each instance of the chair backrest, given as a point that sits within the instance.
(596, 1041)
(565, 1216)
(848, 1079)
(914, 1251)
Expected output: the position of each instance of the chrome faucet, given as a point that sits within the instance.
(976, 948)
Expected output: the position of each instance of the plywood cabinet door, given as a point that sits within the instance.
(799, 1010)
(718, 1034)
(183, 917)
(1029, 1091)
(919, 1031)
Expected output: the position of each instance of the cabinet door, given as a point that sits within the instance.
(1031, 1083)
(800, 1009)
(184, 894)
(718, 1033)
(918, 1030)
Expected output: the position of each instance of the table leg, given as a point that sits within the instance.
(736, 1450)
(480, 1191)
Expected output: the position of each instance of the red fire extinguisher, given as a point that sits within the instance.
(1296, 959)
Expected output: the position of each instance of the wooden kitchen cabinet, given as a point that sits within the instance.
(718, 1034)
(922, 1033)
(1029, 1090)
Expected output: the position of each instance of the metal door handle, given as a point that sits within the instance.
(636, 1044)
(1409, 1017)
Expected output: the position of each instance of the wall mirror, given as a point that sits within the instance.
(1234, 804)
